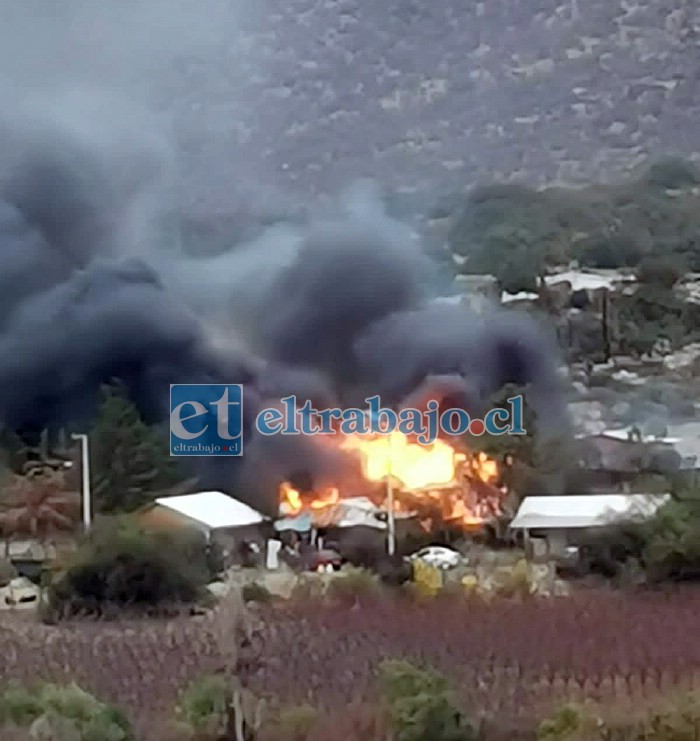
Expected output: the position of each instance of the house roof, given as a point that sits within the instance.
(588, 280)
(348, 512)
(580, 280)
(508, 298)
(585, 510)
(213, 509)
(626, 432)
(684, 438)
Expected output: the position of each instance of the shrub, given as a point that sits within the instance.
(607, 551)
(353, 585)
(293, 723)
(203, 705)
(662, 548)
(420, 704)
(121, 565)
(515, 582)
(671, 541)
(677, 719)
(19, 706)
(63, 712)
(256, 592)
(569, 723)
(308, 588)
(665, 719)
(667, 547)
(393, 571)
(428, 579)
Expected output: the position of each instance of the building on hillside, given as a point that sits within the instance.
(477, 292)
(469, 285)
(613, 459)
(584, 303)
(220, 518)
(686, 437)
(561, 287)
(560, 523)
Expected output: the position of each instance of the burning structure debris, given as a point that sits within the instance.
(95, 287)
(428, 481)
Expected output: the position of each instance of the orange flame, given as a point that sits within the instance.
(414, 465)
(484, 468)
(460, 486)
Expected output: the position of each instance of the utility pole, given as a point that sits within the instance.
(85, 467)
(391, 523)
(606, 325)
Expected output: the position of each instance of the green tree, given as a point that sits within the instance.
(672, 538)
(131, 462)
(674, 173)
(611, 250)
(507, 231)
(660, 271)
(667, 546)
(421, 705)
(605, 226)
(510, 256)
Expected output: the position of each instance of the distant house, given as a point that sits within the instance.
(219, 517)
(613, 459)
(561, 286)
(564, 521)
(686, 443)
(468, 284)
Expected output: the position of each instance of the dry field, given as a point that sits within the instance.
(508, 659)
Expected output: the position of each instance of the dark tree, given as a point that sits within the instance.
(131, 462)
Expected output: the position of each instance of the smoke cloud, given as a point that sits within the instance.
(97, 283)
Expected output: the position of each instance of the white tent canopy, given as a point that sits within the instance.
(214, 509)
(586, 510)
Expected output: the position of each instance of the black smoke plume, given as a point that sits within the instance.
(331, 311)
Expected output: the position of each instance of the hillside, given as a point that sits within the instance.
(453, 92)
(303, 96)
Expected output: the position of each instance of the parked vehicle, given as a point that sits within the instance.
(323, 559)
(439, 556)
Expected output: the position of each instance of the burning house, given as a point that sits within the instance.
(433, 485)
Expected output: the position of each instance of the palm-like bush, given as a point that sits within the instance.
(38, 505)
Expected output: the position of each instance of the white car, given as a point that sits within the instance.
(439, 556)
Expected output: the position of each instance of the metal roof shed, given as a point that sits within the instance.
(557, 526)
(585, 510)
(213, 509)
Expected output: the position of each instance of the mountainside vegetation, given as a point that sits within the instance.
(517, 233)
